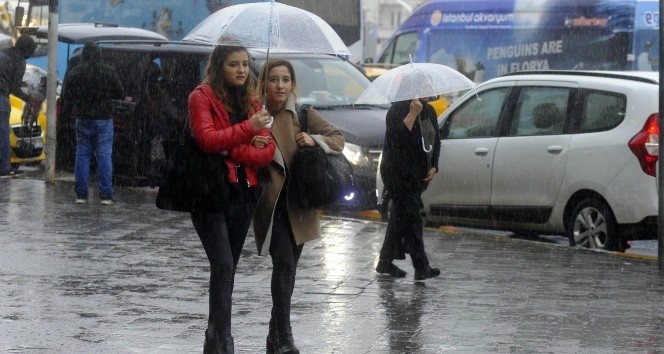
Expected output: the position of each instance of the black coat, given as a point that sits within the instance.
(90, 87)
(12, 68)
(404, 163)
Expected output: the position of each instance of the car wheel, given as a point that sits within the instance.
(591, 224)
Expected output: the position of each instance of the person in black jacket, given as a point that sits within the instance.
(12, 68)
(88, 91)
(409, 163)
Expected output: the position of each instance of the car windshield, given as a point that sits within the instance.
(327, 82)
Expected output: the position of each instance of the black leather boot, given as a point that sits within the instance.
(280, 335)
(213, 345)
(210, 342)
(226, 345)
(280, 341)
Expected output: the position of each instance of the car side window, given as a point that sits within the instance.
(478, 117)
(601, 111)
(399, 50)
(540, 111)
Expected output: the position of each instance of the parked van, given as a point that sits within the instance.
(161, 74)
(486, 39)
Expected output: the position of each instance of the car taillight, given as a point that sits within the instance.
(645, 145)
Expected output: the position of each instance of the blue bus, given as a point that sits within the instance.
(488, 38)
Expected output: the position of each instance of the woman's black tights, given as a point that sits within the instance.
(223, 239)
(285, 255)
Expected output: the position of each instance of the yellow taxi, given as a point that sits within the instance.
(27, 121)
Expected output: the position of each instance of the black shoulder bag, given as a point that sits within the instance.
(192, 179)
(321, 179)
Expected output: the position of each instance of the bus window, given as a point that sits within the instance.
(399, 49)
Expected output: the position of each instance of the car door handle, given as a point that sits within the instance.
(481, 151)
(554, 149)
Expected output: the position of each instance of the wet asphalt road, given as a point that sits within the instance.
(129, 278)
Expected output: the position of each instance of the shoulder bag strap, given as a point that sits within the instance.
(302, 117)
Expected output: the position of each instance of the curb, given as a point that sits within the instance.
(374, 215)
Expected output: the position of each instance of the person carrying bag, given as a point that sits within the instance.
(226, 123)
(281, 225)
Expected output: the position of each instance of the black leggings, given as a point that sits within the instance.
(222, 235)
(285, 255)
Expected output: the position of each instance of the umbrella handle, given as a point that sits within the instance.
(269, 125)
(424, 146)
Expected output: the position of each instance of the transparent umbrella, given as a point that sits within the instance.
(414, 80)
(268, 25)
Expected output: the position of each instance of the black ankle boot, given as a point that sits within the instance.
(213, 345)
(280, 335)
(280, 341)
(226, 346)
(210, 342)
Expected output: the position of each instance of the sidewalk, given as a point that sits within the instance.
(129, 278)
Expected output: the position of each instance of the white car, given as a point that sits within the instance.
(562, 152)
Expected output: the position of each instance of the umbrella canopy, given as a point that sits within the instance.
(414, 80)
(268, 25)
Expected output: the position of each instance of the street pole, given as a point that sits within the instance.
(51, 86)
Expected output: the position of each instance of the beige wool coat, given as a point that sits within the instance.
(304, 222)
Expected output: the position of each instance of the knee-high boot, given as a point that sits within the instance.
(280, 335)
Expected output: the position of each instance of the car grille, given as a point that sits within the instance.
(21, 131)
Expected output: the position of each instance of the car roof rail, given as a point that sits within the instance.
(626, 75)
(106, 24)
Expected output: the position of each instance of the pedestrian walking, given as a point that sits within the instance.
(87, 94)
(12, 69)
(225, 117)
(409, 163)
(281, 226)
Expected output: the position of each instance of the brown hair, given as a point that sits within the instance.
(214, 77)
(269, 65)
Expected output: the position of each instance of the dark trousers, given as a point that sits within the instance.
(285, 255)
(404, 231)
(222, 235)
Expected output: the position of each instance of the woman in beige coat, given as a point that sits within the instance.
(281, 226)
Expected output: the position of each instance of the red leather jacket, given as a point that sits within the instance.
(210, 125)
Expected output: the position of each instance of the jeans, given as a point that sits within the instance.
(94, 136)
(5, 150)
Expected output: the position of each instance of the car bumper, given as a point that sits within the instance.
(27, 144)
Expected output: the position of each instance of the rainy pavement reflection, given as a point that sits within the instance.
(403, 311)
(131, 278)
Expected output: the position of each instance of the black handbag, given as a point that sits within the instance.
(321, 179)
(192, 179)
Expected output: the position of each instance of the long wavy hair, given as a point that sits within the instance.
(269, 65)
(214, 77)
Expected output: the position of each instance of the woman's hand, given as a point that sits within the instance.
(416, 106)
(260, 120)
(260, 141)
(432, 172)
(304, 139)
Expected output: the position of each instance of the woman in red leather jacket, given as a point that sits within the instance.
(226, 117)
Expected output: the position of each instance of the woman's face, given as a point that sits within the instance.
(279, 85)
(236, 68)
